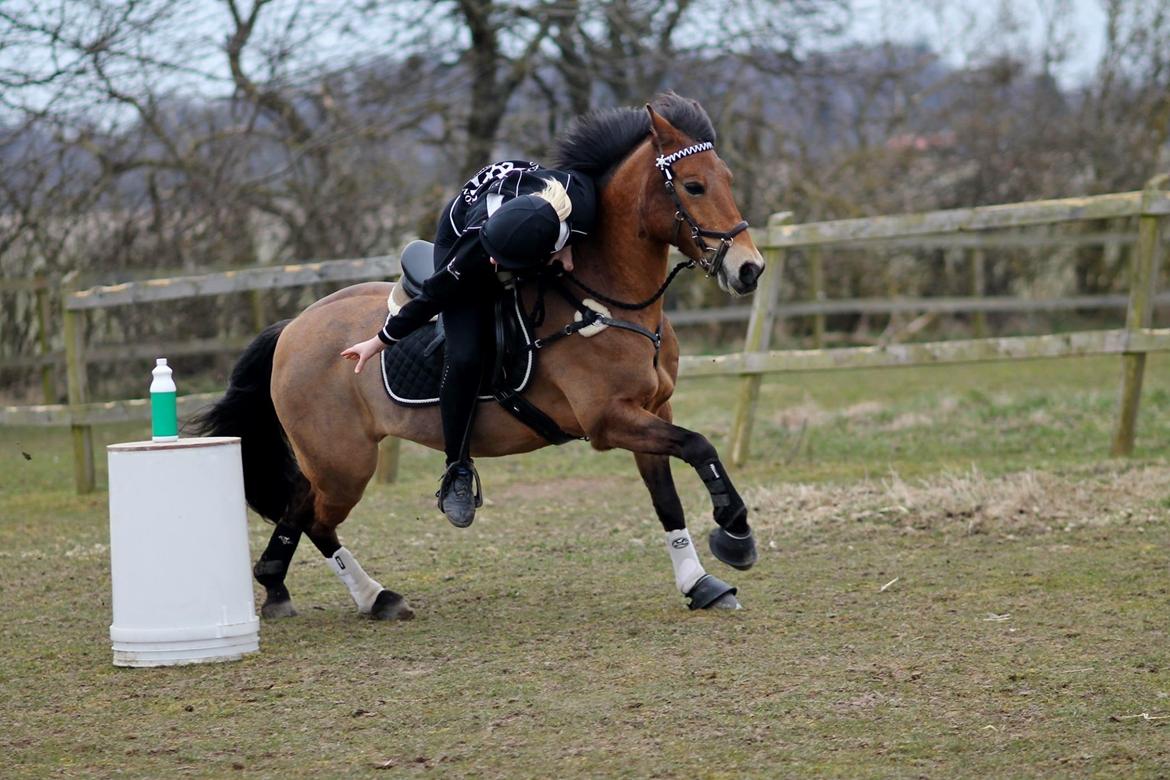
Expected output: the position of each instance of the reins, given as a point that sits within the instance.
(632, 306)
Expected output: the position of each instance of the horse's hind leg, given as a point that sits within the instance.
(272, 567)
(321, 509)
(367, 593)
(703, 590)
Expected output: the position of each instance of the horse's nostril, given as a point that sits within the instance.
(749, 273)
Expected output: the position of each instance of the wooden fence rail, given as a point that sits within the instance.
(267, 278)
(1150, 207)
(1150, 203)
(83, 415)
(48, 359)
(782, 310)
(1099, 342)
(937, 305)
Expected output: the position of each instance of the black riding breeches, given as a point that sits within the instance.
(469, 354)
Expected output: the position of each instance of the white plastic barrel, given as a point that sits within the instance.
(179, 561)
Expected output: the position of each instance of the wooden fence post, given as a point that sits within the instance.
(78, 381)
(44, 317)
(259, 312)
(1111, 250)
(389, 451)
(1142, 281)
(978, 290)
(759, 334)
(816, 293)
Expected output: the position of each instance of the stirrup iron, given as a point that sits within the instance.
(448, 476)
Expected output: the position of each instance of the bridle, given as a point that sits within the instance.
(711, 259)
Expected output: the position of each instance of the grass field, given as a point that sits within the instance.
(955, 581)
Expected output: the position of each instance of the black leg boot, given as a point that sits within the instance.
(460, 493)
(468, 353)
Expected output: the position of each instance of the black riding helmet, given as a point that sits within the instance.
(522, 233)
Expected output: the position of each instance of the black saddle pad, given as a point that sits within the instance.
(413, 368)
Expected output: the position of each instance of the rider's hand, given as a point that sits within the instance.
(363, 351)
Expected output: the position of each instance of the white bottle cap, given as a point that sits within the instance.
(160, 361)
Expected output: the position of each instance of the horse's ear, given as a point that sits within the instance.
(663, 132)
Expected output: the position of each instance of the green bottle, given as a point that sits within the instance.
(164, 415)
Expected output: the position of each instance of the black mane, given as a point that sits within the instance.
(595, 142)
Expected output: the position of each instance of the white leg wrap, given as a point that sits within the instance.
(687, 569)
(363, 589)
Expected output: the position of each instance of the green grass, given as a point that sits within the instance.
(1027, 624)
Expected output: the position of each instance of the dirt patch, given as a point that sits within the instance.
(908, 420)
(811, 414)
(861, 411)
(793, 418)
(1027, 502)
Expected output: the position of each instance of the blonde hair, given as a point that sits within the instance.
(554, 192)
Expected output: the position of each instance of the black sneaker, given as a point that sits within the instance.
(460, 493)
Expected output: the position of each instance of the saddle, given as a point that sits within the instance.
(412, 369)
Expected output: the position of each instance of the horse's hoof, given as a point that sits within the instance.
(726, 601)
(710, 591)
(278, 609)
(390, 606)
(737, 552)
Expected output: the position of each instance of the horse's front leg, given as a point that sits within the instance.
(703, 590)
(630, 427)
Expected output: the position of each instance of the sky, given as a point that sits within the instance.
(964, 31)
(974, 28)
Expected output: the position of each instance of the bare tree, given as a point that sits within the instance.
(1125, 123)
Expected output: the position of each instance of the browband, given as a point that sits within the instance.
(664, 161)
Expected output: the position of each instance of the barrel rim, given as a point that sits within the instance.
(181, 444)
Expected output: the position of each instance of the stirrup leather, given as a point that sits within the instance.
(449, 476)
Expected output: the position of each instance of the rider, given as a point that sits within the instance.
(511, 216)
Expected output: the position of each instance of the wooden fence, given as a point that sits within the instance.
(81, 415)
(41, 288)
(802, 301)
(1150, 207)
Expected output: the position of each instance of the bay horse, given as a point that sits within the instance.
(310, 427)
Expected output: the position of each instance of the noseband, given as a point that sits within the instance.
(712, 257)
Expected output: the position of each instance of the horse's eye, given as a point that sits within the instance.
(694, 188)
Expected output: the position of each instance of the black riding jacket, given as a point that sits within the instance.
(463, 270)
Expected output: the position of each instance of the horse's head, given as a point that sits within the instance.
(688, 203)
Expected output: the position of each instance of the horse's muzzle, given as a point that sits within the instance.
(749, 274)
(744, 280)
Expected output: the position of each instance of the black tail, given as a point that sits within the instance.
(246, 410)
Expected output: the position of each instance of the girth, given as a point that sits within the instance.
(517, 405)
